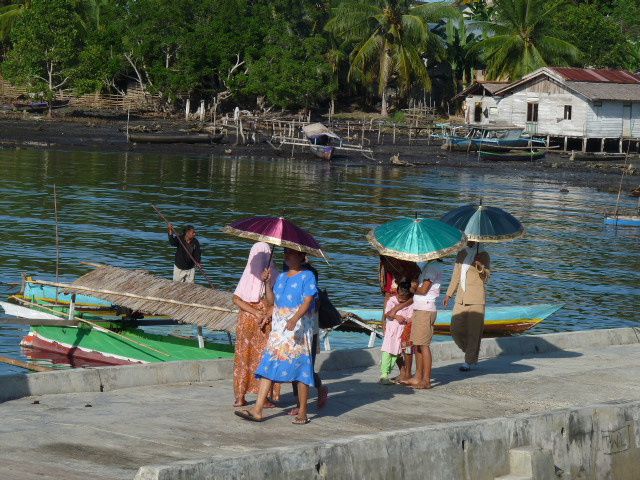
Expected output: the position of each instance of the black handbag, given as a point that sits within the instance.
(328, 315)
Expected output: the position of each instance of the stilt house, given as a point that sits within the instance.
(575, 108)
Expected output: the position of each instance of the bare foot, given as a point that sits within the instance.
(294, 412)
(240, 402)
(410, 381)
(421, 386)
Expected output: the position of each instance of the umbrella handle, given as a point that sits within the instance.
(263, 288)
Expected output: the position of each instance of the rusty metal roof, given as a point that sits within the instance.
(597, 75)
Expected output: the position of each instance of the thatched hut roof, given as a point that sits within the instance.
(141, 291)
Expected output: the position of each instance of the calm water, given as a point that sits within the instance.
(105, 216)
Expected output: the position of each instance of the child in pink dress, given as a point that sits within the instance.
(393, 328)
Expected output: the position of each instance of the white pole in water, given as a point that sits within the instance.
(372, 339)
(55, 211)
(200, 337)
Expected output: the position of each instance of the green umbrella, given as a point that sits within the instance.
(416, 240)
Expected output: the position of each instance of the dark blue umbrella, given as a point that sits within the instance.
(484, 224)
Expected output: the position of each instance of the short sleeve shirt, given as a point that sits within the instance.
(290, 292)
(431, 272)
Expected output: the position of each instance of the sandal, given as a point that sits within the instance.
(247, 415)
(300, 421)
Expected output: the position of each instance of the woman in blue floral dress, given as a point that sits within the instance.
(287, 357)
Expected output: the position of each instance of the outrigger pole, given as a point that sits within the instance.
(204, 274)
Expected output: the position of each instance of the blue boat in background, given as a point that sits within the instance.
(499, 321)
(623, 220)
(37, 293)
(491, 138)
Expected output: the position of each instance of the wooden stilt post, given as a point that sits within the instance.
(187, 109)
(200, 337)
(566, 142)
(584, 144)
(602, 144)
(394, 133)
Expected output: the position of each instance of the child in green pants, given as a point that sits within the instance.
(393, 328)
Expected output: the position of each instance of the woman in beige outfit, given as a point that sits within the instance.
(468, 283)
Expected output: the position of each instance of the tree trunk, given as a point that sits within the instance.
(383, 109)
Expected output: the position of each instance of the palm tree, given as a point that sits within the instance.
(389, 39)
(520, 40)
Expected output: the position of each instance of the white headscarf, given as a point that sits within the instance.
(469, 258)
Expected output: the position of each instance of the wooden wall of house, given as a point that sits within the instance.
(488, 103)
(551, 98)
(592, 119)
(606, 119)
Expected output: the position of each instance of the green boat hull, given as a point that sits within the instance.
(130, 346)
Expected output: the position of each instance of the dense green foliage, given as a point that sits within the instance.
(295, 54)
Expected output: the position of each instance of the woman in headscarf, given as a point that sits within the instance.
(288, 355)
(254, 323)
(468, 283)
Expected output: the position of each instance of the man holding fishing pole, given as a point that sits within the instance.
(188, 254)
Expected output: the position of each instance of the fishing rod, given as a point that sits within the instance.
(200, 267)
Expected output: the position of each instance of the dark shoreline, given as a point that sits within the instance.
(107, 134)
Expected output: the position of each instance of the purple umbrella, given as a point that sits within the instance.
(276, 231)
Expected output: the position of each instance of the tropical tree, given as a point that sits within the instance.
(391, 39)
(45, 47)
(521, 39)
(458, 45)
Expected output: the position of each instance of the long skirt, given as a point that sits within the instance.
(288, 356)
(250, 344)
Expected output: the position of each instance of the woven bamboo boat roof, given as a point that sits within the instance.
(141, 291)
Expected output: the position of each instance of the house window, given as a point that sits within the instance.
(567, 112)
(477, 113)
(532, 112)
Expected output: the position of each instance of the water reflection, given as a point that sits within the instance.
(105, 216)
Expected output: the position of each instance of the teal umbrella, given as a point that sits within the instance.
(485, 224)
(416, 240)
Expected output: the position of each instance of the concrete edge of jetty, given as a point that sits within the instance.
(113, 378)
(594, 442)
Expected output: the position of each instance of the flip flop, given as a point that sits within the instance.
(300, 421)
(247, 415)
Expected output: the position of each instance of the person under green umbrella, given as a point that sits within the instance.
(419, 240)
(468, 283)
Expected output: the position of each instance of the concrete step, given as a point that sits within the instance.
(529, 463)
(521, 460)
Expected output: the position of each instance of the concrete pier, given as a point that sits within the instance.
(558, 406)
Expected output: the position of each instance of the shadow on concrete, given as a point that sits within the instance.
(512, 351)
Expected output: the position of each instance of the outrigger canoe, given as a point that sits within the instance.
(80, 344)
(499, 321)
